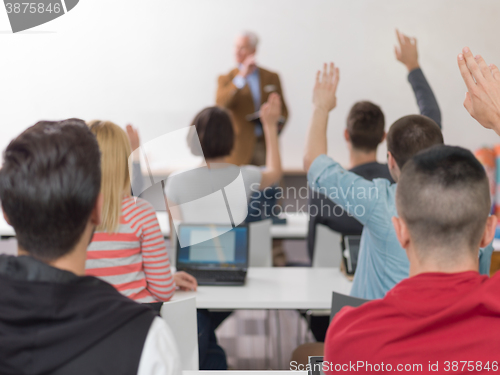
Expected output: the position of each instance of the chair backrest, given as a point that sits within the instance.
(180, 315)
(327, 248)
(260, 244)
(341, 300)
(350, 252)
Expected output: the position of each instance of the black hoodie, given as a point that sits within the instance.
(54, 322)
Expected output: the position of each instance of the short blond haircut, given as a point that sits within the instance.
(115, 182)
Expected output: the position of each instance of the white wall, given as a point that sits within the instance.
(154, 63)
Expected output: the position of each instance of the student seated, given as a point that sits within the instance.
(446, 316)
(128, 250)
(382, 263)
(53, 318)
(363, 134)
(216, 138)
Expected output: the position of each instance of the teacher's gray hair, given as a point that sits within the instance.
(253, 39)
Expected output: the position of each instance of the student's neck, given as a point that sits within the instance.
(215, 161)
(443, 266)
(74, 261)
(358, 157)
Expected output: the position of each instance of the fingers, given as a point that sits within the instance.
(325, 73)
(336, 79)
(495, 72)
(466, 73)
(397, 53)
(400, 37)
(332, 72)
(275, 99)
(485, 70)
(472, 65)
(468, 103)
(318, 74)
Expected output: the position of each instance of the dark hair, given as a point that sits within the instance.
(365, 125)
(443, 196)
(49, 184)
(215, 131)
(411, 134)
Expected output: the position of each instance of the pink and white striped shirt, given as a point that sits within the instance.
(134, 259)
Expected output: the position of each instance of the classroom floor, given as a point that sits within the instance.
(265, 339)
(262, 339)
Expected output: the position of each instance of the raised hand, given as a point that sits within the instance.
(270, 111)
(248, 65)
(325, 89)
(482, 100)
(133, 137)
(407, 51)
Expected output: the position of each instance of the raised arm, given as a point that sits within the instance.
(482, 99)
(407, 53)
(270, 112)
(324, 100)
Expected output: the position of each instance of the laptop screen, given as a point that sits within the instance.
(227, 247)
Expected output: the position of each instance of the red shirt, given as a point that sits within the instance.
(433, 319)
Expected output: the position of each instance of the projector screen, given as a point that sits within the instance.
(155, 63)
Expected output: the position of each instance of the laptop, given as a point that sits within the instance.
(222, 260)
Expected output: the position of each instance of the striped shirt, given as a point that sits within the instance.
(134, 259)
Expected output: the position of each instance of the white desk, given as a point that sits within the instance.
(295, 228)
(245, 372)
(286, 288)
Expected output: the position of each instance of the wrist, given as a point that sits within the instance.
(321, 110)
(412, 67)
(271, 127)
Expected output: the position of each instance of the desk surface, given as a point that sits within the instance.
(296, 226)
(286, 288)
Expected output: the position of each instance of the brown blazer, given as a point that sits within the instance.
(239, 102)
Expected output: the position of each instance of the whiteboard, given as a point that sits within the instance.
(155, 63)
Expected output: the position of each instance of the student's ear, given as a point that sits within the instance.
(5, 217)
(393, 166)
(402, 232)
(96, 214)
(489, 231)
(346, 136)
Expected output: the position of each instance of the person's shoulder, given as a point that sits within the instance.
(135, 204)
(160, 354)
(373, 170)
(250, 169)
(352, 323)
(361, 315)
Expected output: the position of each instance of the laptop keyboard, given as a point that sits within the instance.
(225, 276)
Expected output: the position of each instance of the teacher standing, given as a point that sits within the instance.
(242, 91)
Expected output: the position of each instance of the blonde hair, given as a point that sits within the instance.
(115, 181)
